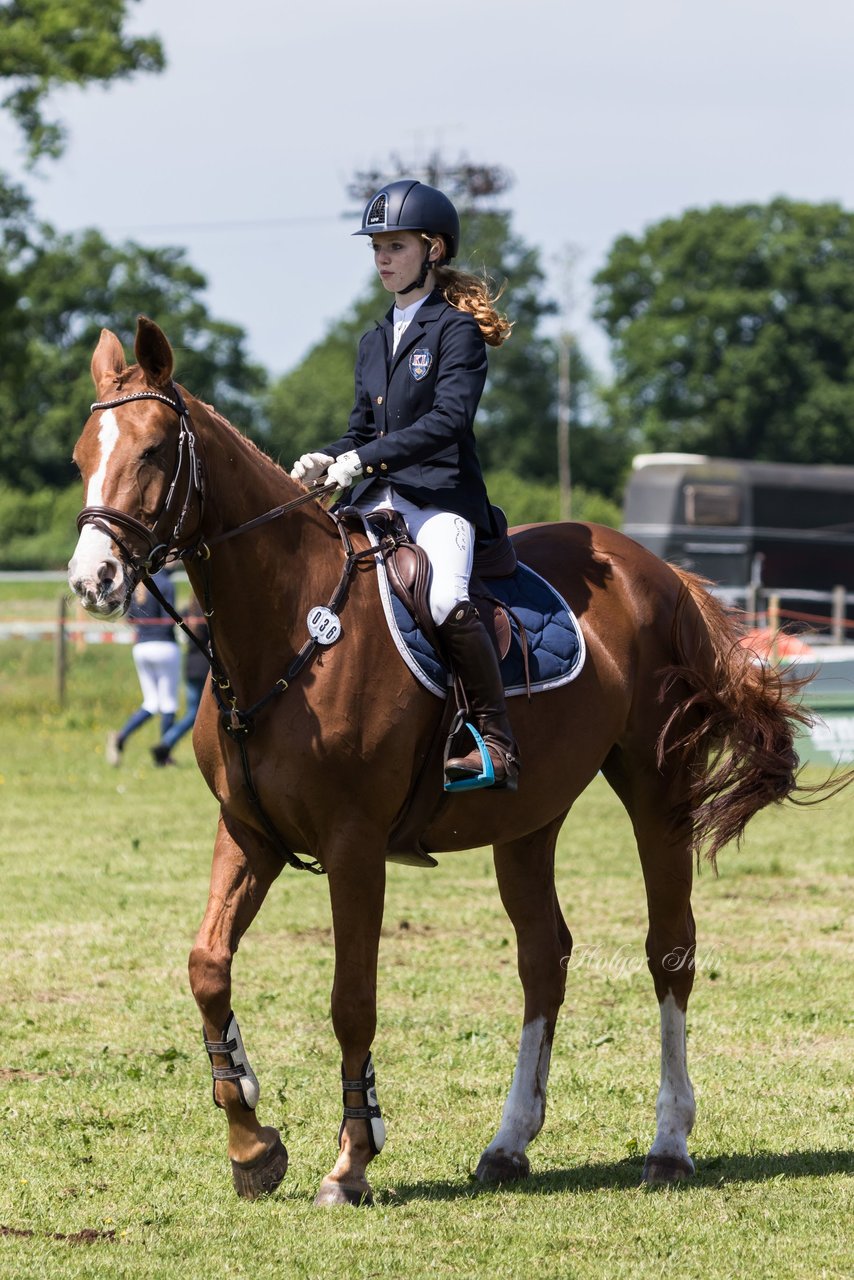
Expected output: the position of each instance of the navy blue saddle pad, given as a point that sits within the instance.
(556, 649)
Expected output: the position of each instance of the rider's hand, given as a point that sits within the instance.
(345, 469)
(310, 467)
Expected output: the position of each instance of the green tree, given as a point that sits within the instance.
(60, 292)
(517, 420)
(57, 292)
(48, 44)
(733, 332)
(310, 405)
(527, 501)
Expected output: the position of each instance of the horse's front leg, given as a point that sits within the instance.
(241, 875)
(357, 891)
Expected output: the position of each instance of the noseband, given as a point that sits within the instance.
(158, 548)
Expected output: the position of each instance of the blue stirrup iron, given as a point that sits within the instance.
(486, 777)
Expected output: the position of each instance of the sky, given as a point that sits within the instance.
(609, 116)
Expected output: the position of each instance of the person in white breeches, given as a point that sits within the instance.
(157, 658)
(410, 442)
(448, 540)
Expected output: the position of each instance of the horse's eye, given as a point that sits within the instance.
(149, 453)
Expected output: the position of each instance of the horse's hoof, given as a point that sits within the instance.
(261, 1176)
(658, 1170)
(499, 1167)
(332, 1193)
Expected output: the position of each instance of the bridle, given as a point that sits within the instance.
(159, 549)
(159, 544)
(236, 722)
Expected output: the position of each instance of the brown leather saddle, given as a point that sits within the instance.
(408, 571)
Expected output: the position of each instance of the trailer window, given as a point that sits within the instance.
(718, 504)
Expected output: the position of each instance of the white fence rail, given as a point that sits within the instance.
(82, 632)
(63, 631)
(766, 607)
(763, 608)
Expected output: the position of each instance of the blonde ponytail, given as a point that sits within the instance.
(474, 294)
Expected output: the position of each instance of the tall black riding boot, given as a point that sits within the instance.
(467, 644)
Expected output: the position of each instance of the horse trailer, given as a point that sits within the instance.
(777, 525)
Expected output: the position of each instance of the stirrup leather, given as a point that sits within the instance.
(231, 1046)
(370, 1110)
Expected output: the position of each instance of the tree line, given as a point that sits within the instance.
(731, 327)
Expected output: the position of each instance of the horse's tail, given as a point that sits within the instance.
(736, 722)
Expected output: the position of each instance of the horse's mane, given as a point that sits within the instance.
(128, 377)
(252, 446)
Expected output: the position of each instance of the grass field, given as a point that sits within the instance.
(113, 1158)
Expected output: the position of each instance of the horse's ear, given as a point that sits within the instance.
(108, 360)
(152, 351)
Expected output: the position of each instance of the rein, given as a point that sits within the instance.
(238, 724)
(313, 494)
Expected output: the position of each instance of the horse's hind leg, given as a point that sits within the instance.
(525, 870)
(241, 875)
(666, 856)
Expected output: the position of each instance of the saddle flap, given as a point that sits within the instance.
(546, 645)
(408, 570)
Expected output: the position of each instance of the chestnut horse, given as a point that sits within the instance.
(691, 733)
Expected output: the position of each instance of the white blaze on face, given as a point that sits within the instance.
(93, 553)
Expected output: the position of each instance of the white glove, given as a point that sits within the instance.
(345, 469)
(310, 467)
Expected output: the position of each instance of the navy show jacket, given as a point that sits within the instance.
(412, 423)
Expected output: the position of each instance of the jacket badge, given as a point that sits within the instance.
(420, 362)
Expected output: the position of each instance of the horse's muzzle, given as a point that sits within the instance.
(97, 576)
(104, 592)
(98, 602)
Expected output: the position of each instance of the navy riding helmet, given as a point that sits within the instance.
(408, 205)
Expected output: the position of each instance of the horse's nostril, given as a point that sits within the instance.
(108, 576)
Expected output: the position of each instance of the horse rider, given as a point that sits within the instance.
(410, 442)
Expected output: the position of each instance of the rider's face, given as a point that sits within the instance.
(398, 256)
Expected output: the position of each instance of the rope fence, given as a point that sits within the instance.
(762, 609)
(79, 632)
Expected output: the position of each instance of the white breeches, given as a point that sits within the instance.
(158, 665)
(448, 540)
